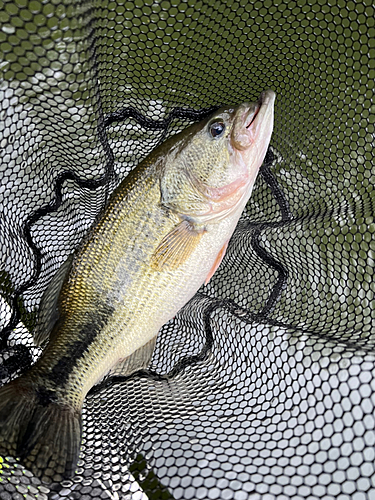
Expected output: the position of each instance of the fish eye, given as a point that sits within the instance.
(216, 128)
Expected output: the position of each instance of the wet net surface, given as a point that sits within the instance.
(263, 386)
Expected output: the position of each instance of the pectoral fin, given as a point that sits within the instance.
(217, 262)
(176, 247)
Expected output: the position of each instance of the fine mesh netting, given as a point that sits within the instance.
(263, 386)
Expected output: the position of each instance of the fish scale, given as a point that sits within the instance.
(163, 234)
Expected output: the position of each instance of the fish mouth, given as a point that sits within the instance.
(254, 116)
(252, 121)
(259, 109)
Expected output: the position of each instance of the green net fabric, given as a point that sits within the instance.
(263, 386)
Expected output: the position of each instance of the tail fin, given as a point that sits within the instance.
(46, 436)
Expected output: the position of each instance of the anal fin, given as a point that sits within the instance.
(139, 360)
(176, 247)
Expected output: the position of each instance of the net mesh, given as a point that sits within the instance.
(263, 386)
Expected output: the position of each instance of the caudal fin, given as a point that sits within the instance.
(46, 436)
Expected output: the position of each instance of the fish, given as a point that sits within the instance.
(162, 235)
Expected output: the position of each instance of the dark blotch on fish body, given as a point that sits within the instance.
(45, 396)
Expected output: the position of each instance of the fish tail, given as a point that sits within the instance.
(44, 434)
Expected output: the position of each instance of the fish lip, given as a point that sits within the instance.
(251, 120)
(253, 115)
(266, 98)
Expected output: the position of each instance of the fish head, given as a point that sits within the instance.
(211, 167)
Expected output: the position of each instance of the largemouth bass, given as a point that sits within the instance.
(163, 234)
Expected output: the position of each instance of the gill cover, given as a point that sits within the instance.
(198, 161)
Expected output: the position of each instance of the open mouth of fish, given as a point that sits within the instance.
(254, 123)
(254, 114)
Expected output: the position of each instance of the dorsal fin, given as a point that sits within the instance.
(48, 310)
